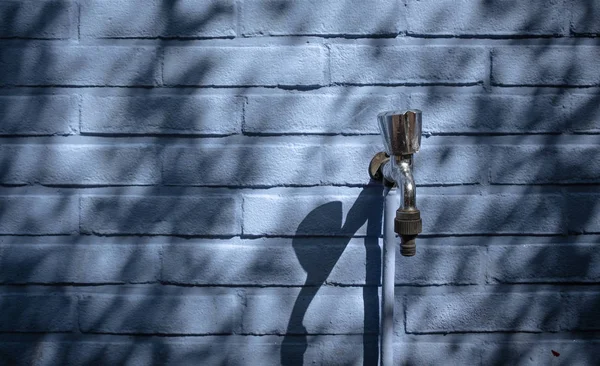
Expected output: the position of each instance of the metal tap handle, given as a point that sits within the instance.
(401, 131)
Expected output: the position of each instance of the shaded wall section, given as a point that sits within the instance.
(185, 182)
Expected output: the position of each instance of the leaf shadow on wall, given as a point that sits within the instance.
(318, 263)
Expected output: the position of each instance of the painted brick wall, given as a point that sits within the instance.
(184, 182)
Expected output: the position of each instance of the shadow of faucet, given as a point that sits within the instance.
(319, 262)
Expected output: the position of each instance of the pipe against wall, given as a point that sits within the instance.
(388, 276)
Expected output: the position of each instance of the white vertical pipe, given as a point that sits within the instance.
(390, 205)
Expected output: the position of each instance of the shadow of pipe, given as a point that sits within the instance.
(319, 264)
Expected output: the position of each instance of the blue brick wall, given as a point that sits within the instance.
(185, 182)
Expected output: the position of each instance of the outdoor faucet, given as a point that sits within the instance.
(401, 132)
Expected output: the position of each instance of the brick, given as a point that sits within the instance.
(156, 18)
(36, 313)
(584, 113)
(290, 311)
(245, 350)
(430, 353)
(493, 114)
(160, 215)
(38, 215)
(341, 349)
(242, 165)
(584, 213)
(358, 263)
(546, 164)
(580, 312)
(437, 164)
(365, 65)
(577, 352)
(86, 352)
(82, 264)
(326, 215)
(38, 115)
(177, 115)
(80, 164)
(78, 66)
(555, 66)
(266, 262)
(36, 19)
(317, 114)
(584, 17)
(512, 18)
(543, 263)
(493, 214)
(140, 314)
(12, 353)
(345, 17)
(470, 312)
(440, 265)
(232, 264)
(347, 164)
(245, 66)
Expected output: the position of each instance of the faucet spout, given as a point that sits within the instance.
(408, 222)
(409, 194)
(399, 171)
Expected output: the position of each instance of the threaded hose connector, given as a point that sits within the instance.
(408, 225)
(408, 245)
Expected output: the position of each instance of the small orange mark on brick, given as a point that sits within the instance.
(555, 354)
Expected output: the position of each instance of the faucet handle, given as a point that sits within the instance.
(401, 131)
